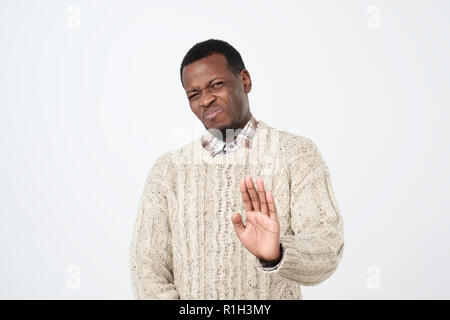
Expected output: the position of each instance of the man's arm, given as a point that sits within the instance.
(314, 250)
(151, 248)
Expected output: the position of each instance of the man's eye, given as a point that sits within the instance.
(217, 83)
(194, 95)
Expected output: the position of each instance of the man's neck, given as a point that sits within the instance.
(233, 129)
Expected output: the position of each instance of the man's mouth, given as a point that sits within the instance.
(211, 113)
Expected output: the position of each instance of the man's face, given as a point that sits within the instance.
(212, 88)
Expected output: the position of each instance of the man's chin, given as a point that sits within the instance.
(219, 125)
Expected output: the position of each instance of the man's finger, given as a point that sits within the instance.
(252, 192)
(271, 204)
(238, 224)
(246, 198)
(262, 196)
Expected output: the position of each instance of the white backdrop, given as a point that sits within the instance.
(90, 95)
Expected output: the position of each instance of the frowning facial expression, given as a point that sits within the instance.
(216, 96)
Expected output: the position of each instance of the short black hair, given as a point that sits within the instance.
(208, 47)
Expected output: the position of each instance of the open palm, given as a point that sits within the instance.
(261, 233)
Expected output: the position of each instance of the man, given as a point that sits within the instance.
(204, 229)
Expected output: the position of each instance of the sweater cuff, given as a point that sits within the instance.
(267, 266)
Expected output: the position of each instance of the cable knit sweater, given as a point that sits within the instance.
(184, 245)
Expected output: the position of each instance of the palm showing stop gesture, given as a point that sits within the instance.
(261, 233)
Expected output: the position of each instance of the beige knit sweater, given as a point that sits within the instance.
(184, 245)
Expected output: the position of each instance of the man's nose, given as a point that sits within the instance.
(206, 98)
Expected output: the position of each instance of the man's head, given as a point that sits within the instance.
(214, 78)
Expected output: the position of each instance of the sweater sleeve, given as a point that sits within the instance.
(151, 248)
(312, 253)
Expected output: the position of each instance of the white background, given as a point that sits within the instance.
(90, 95)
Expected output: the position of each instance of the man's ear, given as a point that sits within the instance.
(246, 80)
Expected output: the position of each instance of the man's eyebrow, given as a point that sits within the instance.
(209, 82)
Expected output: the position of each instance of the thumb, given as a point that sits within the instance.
(238, 224)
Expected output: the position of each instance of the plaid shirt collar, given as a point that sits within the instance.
(215, 146)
